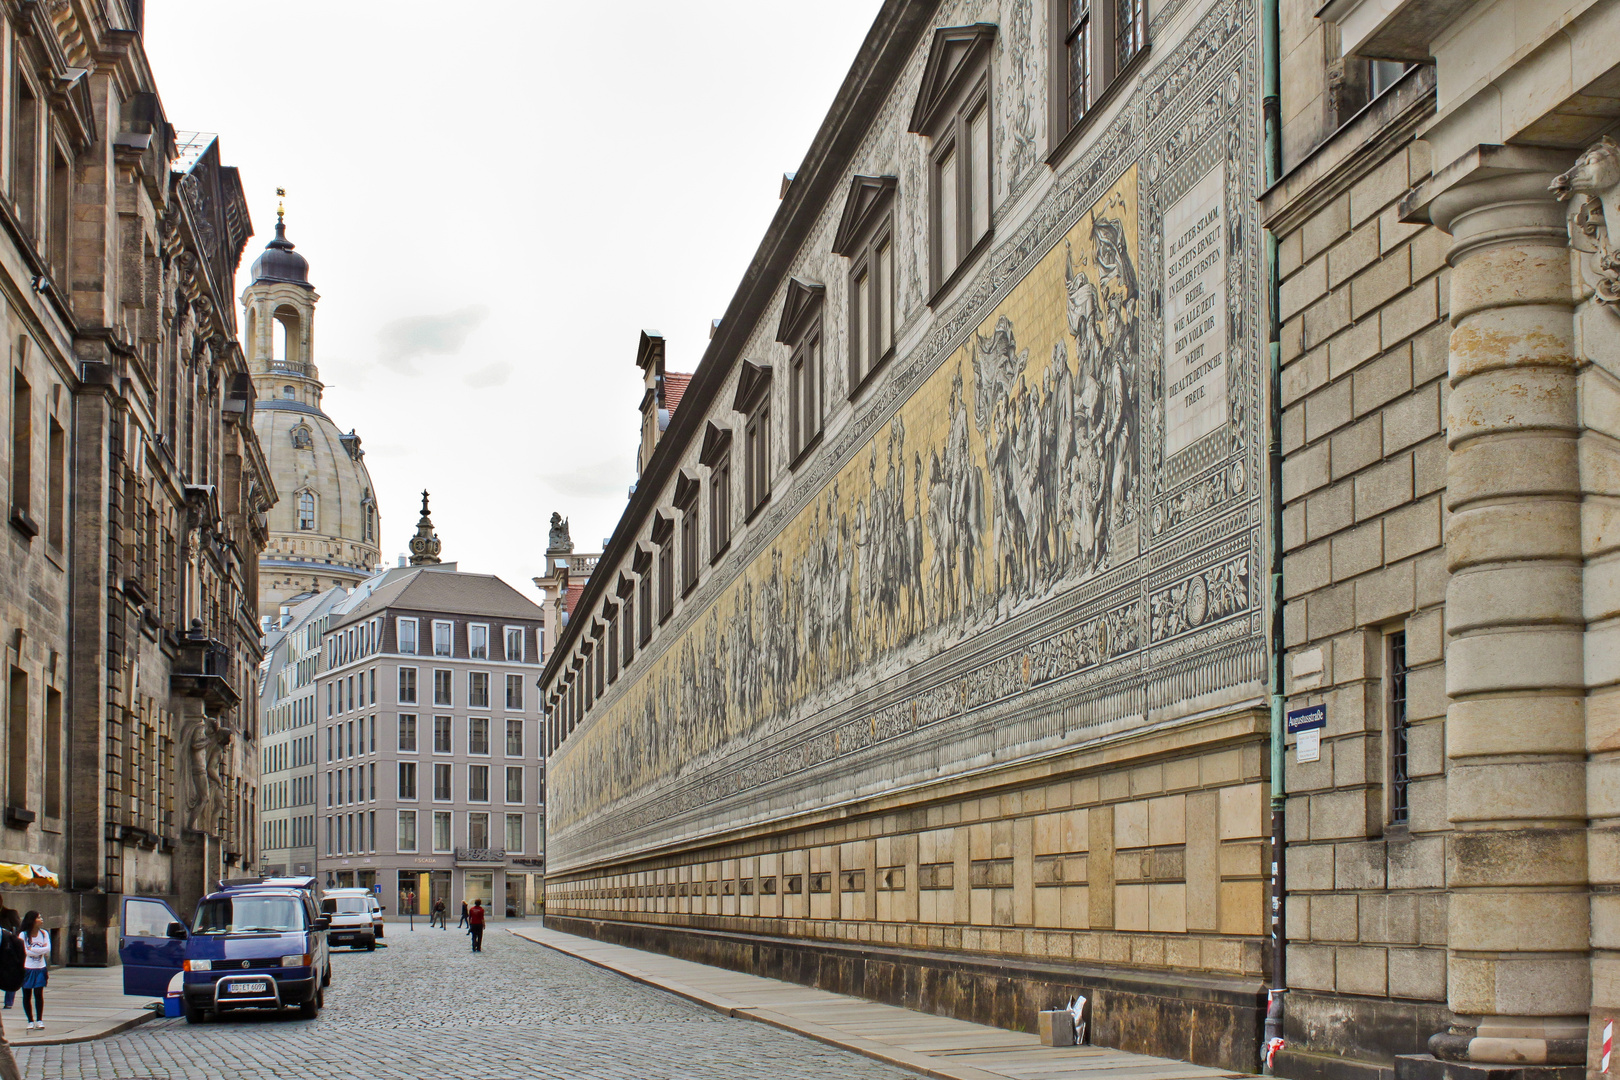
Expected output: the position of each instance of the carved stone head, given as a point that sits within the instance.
(1595, 172)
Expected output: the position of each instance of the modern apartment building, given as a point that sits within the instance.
(430, 763)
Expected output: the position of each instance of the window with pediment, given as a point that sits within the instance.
(1093, 44)
(716, 454)
(953, 112)
(754, 402)
(800, 331)
(866, 237)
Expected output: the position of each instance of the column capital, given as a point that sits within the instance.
(1492, 195)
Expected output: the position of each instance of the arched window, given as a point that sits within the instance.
(301, 438)
(371, 514)
(288, 392)
(306, 510)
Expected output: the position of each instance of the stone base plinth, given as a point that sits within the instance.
(1213, 1020)
(1429, 1067)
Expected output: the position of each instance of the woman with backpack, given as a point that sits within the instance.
(37, 957)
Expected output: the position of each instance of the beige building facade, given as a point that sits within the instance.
(1449, 348)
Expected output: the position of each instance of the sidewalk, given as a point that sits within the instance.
(81, 1003)
(935, 1046)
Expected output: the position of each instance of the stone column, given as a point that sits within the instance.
(1518, 978)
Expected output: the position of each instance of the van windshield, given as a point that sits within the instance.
(249, 915)
(351, 905)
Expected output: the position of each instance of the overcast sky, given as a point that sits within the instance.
(495, 199)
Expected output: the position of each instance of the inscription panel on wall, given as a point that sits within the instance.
(1195, 313)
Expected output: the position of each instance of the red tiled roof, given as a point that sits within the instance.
(675, 384)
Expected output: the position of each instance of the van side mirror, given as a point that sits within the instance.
(323, 922)
(177, 931)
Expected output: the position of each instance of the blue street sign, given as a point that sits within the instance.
(1306, 719)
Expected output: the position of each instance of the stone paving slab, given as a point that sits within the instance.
(81, 1003)
(935, 1046)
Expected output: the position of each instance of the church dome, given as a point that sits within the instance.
(280, 262)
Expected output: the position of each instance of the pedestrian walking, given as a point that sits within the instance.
(463, 921)
(37, 953)
(475, 925)
(12, 956)
(438, 914)
(11, 953)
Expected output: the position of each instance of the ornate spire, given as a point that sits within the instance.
(425, 544)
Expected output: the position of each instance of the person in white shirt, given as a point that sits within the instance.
(37, 952)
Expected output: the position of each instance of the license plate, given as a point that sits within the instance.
(245, 988)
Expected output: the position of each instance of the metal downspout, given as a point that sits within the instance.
(1272, 114)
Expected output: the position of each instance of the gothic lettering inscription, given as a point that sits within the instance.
(1195, 313)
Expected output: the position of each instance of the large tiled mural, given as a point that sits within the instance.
(1043, 530)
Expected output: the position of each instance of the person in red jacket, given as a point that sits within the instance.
(475, 925)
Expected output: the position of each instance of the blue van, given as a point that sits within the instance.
(249, 947)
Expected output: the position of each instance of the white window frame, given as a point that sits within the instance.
(437, 765)
(507, 788)
(416, 686)
(522, 640)
(399, 835)
(450, 684)
(416, 777)
(450, 741)
(523, 737)
(486, 800)
(451, 626)
(399, 637)
(416, 733)
(472, 704)
(507, 834)
(471, 651)
(487, 837)
(449, 832)
(488, 740)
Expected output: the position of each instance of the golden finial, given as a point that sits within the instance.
(281, 208)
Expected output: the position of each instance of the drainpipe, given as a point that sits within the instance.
(1272, 113)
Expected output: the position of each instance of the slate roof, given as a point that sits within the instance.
(451, 593)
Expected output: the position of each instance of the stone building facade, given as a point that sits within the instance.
(928, 660)
(136, 489)
(1449, 349)
(325, 531)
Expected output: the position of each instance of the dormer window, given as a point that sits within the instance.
(953, 111)
(866, 237)
(800, 330)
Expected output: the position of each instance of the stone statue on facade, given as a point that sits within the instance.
(203, 742)
(1594, 217)
(560, 541)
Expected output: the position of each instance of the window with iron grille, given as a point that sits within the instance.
(1399, 809)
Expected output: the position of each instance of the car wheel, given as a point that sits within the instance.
(195, 1014)
(371, 945)
(326, 976)
(310, 1009)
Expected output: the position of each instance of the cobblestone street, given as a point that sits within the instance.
(428, 1007)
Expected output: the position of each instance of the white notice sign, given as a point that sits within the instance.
(1195, 313)
(1308, 746)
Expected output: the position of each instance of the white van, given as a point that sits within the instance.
(355, 915)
